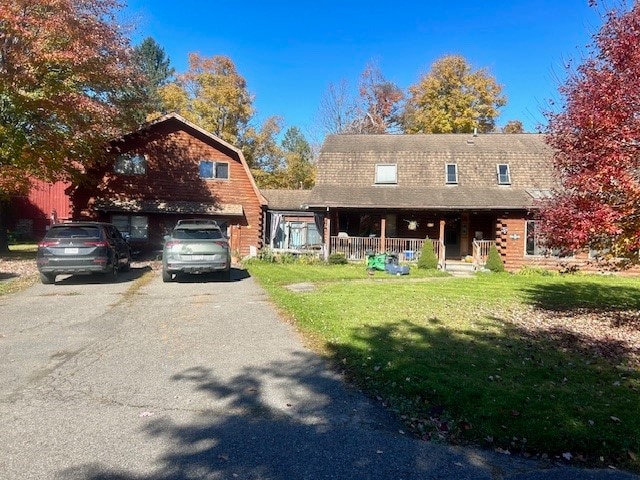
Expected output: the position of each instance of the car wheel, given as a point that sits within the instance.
(166, 276)
(112, 274)
(48, 278)
(127, 266)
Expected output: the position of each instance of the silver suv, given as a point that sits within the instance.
(196, 246)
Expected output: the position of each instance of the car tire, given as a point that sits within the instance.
(112, 274)
(48, 278)
(166, 276)
(127, 266)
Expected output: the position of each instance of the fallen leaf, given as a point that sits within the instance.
(567, 456)
(615, 419)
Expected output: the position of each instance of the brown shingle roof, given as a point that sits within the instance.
(285, 199)
(347, 164)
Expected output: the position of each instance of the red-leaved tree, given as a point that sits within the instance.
(66, 83)
(596, 138)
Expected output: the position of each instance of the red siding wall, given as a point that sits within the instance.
(31, 214)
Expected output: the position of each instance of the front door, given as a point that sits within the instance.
(452, 238)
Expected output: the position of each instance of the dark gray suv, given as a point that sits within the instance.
(82, 248)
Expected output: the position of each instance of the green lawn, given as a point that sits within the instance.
(525, 363)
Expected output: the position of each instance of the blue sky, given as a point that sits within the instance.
(289, 52)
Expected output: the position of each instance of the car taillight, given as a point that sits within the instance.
(95, 244)
(48, 243)
(170, 244)
(221, 244)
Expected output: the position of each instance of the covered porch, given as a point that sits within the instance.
(456, 235)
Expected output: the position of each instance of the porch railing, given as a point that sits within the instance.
(481, 251)
(407, 249)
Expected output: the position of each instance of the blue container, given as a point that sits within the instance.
(394, 269)
(409, 255)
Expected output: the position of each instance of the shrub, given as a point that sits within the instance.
(494, 260)
(266, 255)
(337, 259)
(428, 259)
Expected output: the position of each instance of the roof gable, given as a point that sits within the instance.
(173, 122)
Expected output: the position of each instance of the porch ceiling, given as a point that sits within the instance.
(445, 198)
(168, 206)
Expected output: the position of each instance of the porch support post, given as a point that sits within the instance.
(441, 252)
(327, 236)
(383, 233)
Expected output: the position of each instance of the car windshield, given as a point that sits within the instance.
(197, 234)
(74, 232)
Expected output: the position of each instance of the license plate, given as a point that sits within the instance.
(197, 258)
(71, 251)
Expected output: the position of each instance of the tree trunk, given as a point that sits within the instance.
(4, 238)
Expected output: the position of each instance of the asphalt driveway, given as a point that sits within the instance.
(141, 380)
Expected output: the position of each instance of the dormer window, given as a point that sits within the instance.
(451, 174)
(130, 164)
(386, 173)
(504, 176)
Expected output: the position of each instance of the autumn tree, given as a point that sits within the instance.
(155, 68)
(63, 67)
(453, 98)
(596, 138)
(513, 126)
(213, 95)
(337, 110)
(260, 146)
(378, 105)
(288, 165)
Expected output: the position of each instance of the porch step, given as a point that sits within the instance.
(459, 268)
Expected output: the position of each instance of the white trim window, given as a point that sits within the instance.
(210, 170)
(504, 175)
(386, 173)
(451, 174)
(130, 164)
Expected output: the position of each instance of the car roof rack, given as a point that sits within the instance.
(197, 221)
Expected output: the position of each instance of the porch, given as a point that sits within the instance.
(407, 249)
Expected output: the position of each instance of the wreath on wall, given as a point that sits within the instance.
(412, 224)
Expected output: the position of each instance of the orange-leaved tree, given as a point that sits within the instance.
(65, 70)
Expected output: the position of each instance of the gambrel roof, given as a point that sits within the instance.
(347, 164)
